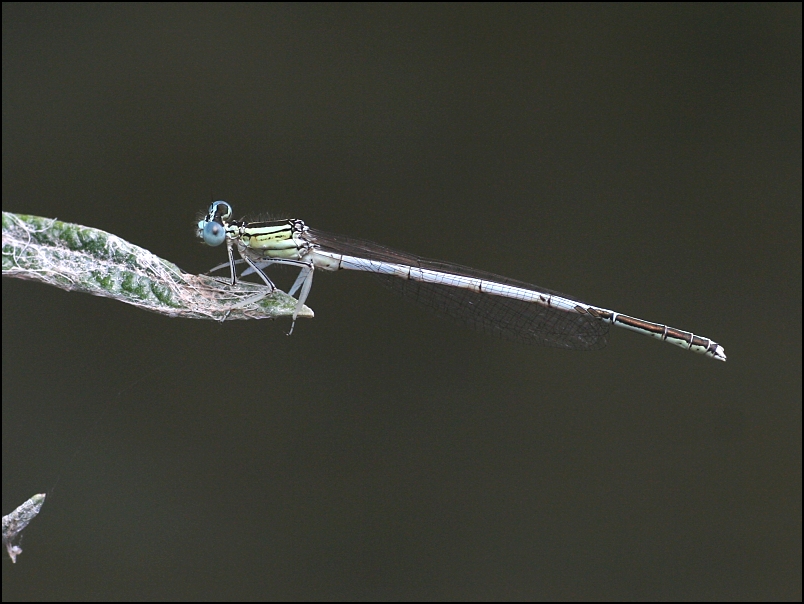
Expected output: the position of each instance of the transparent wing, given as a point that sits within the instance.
(495, 315)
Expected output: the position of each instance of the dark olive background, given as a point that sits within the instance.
(646, 158)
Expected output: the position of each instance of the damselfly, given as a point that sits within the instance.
(484, 301)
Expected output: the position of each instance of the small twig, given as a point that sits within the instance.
(79, 258)
(16, 521)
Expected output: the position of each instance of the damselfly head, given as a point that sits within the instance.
(212, 227)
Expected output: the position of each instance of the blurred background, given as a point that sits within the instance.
(644, 158)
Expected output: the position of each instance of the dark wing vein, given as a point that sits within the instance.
(495, 315)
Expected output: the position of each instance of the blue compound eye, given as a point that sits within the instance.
(220, 210)
(213, 233)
